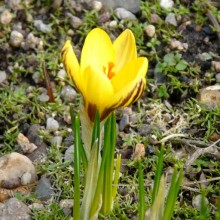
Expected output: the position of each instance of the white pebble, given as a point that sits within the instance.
(97, 5)
(42, 27)
(167, 4)
(61, 74)
(150, 30)
(122, 13)
(16, 39)
(6, 17)
(52, 124)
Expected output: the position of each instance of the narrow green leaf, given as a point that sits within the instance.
(96, 130)
(158, 174)
(116, 176)
(141, 209)
(173, 193)
(203, 209)
(76, 129)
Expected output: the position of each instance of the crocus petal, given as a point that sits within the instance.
(71, 63)
(136, 68)
(97, 88)
(125, 96)
(97, 50)
(125, 49)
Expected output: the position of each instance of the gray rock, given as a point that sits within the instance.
(68, 93)
(44, 190)
(6, 17)
(69, 154)
(37, 77)
(3, 76)
(16, 38)
(217, 77)
(66, 205)
(75, 22)
(196, 202)
(61, 74)
(52, 124)
(130, 5)
(42, 27)
(124, 122)
(155, 19)
(14, 4)
(57, 140)
(12, 168)
(31, 41)
(124, 14)
(13, 209)
(171, 19)
(43, 97)
(34, 137)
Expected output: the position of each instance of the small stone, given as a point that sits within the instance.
(66, 205)
(70, 32)
(196, 202)
(97, 5)
(104, 17)
(12, 167)
(217, 77)
(34, 137)
(139, 152)
(61, 74)
(171, 19)
(144, 130)
(6, 17)
(113, 24)
(31, 41)
(3, 76)
(210, 96)
(155, 19)
(16, 39)
(43, 97)
(68, 94)
(52, 124)
(37, 77)
(150, 30)
(36, 206)
(14, 4)
(167, 4)
(124, 122)
(216, 66)
(13, 209)
(57, 141)
(42, 27)
(124, 14)
(69, 154)
(44, 190)
(75, 22)
(150, 150)
(25, 144)
(175, 44)
(130, 5)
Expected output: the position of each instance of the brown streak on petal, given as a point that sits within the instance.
(91, 110)
(136, 91)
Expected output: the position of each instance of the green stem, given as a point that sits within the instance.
(141, 191)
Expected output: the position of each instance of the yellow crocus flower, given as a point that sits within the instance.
(109, 75)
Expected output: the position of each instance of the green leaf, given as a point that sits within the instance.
(181, 65)
(170, 59)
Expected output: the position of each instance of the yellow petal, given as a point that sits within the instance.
(97, 88)
(125, 96)
(136, 68)
(97, 51)
(71, 63)
(125, 49)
